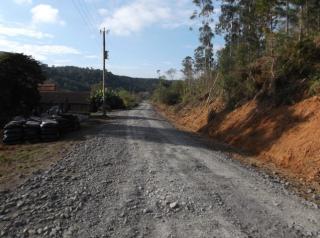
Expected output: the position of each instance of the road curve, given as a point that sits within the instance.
(137, 176)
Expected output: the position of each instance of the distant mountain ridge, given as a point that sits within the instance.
(73, 78)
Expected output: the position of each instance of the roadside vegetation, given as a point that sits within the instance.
(169, 92)
(115, 99)
(272, 54)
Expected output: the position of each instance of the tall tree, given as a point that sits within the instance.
(188, 71)
(204, 13)
(199, 59)
(187, 67)
(171, 73)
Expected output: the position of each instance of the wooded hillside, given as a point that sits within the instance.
(271, 52)
(81, 79)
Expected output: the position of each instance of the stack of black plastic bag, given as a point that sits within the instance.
(49, 130)
(67, 123)
(37, 129)
(13, 132)
(32, 130)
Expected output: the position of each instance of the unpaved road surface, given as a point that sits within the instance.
(137, 176)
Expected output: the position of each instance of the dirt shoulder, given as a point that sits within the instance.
(19, 162)
(283, 141)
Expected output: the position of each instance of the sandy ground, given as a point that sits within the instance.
(137, 176)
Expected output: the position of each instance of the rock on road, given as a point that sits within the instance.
(137, 176)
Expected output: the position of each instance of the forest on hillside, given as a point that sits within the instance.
(73, 78)
(271, 53)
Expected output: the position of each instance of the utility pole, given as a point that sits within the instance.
(104, 58)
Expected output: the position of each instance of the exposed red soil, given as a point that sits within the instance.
(286, 138)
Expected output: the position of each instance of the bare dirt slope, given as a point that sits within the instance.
(137, 176)
(287, 136)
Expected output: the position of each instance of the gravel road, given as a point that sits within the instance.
(137, 176)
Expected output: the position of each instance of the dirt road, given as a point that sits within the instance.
(137, 176)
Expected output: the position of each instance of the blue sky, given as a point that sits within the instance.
(145, 35)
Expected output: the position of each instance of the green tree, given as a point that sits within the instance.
(73, 78)
(19, 79)
(199, 59)
(188, 72)
(204, 13)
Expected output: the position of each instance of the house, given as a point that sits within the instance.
(47, 87)
(77, 102)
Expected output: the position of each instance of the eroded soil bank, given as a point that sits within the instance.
(285, 139)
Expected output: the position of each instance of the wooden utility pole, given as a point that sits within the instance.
(104, 58)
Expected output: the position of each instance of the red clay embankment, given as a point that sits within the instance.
(286, 137)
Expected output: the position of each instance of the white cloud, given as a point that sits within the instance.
(140, 14)
(39, 52)
(135, 16)
(44, 13)
(19, 31)
(23, 1)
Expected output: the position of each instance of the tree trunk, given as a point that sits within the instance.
(301, 23)
(319, 21)
(271, 34)
(287, 17)
(307, 17)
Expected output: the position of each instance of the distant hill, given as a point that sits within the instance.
(73, 78)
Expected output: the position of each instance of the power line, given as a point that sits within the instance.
(87, 11)
(82, 15)
(84, 18)
(85, 14)
(94, 5)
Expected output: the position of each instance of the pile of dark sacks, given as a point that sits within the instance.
(13, 132)
(37, 129)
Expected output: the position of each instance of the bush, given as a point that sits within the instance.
(169, 93)
(314, 85)
(115, 99)
(287, 76)
(297, 70)
(130, 100)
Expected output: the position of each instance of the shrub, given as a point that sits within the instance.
(130, 100)
(297, 70)
(169, 92)
(115, 99)
(288, 75)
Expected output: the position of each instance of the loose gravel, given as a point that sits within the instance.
(137, 176)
